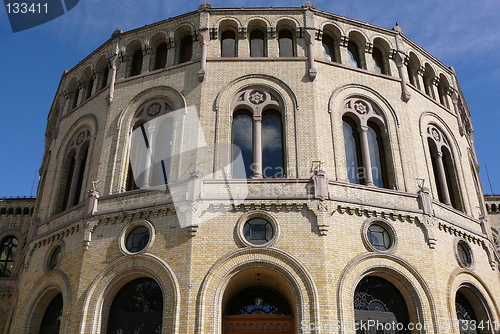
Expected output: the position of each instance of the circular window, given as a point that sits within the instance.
(379, 237)
(258, 231)
(137, 239)
(54, 258)
(464, 254)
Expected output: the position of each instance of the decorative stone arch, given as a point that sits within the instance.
(478, 294)
(87, 80)
(257, 21)
(224, 114)
(429, 79)
(181, 31)
(101, 68)
(210, 297)
(391, 128)
(333, 31)
(124, 125)
(398, 272)
(385, 47)
(360, 39)
(40, 296)
(101, 292)
(159, 45)
(428, 119)
(230, 20)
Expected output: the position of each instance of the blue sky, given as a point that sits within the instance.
(464, 34)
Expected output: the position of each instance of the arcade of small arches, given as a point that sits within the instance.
(16, 211)
(493, 208)
(167, 49)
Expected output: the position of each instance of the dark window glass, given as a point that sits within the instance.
(467, 320)
(258, 231)
(136, 65)
(76, 95)
(328, 48)
(242, 140)
(161, 56)
(411, 73)
(52, 318)
(464, 255)
(137, 308)
(70, 167)
(105, 74)
(352, 151)
(54, 258)
(79, 183)
(257, 48)
(228, 44)
(90, 85)
(449, 174)
(7, 253)
(137, 239)
(353, 54)
(286, 43)
(258, 300)
(378, 61)
(377, 159)
(272, 145)
(186, 51)
(377, 299)
(379, 237)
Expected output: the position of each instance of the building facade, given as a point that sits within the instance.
(279, 170)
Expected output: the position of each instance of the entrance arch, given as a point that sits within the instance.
(258, 309)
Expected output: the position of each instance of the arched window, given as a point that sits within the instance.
(150, 146)
(328, 48)
(51, 321)
(73, 170)
(186, 49)
(7, 253)
(136, 64)
(428, 79)
(258, 135)
(228, 44)
(257, 44)
(493, 207)
(364, 144)
(260, 308)
(286, 48)
(376, 299)
(88, 89)
(353, 54)
(443, 168)
(467, 320)
(443, 88)
(378, 61)
(104, 76)
(161, 56)
(137, 308)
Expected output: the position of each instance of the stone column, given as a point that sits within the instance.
(438, 158)
(399, 59)
(204, 37)
(365, 153)
(257, 147)
(114, 64)
(309, 37)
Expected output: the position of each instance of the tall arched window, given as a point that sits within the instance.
(376, 299)
(186, 49)
(328, 48)
(412, 68)
(136, 64)
(378, 61)
(228, 44)
(286, 48)
(428, 78)
(137, 308)
(161, 56)
(258, 134)
(73, 171)
(51, 321)
(7, 253)
(363, 127)
(443, 167)
(257, 44)
(150, 146)
(353, 54)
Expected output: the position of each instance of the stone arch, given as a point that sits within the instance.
(398, 272)
(256, 21)
(384, 46)
(40, 297)
(211, 293)
(109, 281)
(124, 126)
(390, 118)
(223, 109)
(479, 295)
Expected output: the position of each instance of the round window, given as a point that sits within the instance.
(464, 254)
(258, 231)
(379, 237)
(54, 258)
(137, 239)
